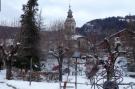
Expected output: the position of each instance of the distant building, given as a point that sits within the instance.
(70, 24)
(71, 35)
(126, 39)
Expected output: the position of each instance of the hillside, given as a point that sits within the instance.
(100, 27)
(106, 26)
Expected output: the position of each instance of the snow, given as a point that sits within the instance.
(82, 80)
(75, 37)
(8, 84)
(121, 64)
(4, 86)
(34, 85)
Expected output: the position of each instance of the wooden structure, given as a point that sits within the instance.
(127, 39)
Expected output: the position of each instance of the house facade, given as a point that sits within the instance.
(126, 39)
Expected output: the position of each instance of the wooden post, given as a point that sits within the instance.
(30, 70)
(76, 74)
(65, 84)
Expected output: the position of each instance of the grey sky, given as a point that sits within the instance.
(83, 10)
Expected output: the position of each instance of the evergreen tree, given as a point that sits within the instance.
(29, 37)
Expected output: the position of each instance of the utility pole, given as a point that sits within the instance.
(76, 74)
(30, 70)
(76, 55)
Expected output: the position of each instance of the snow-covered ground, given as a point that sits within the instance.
(18, 84)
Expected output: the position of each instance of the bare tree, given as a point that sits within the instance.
(58, 51)
(8, 56)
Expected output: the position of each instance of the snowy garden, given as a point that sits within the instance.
(62, 58)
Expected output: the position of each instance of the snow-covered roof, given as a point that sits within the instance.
(121, 32)
(117, 32)
(113, 35)
(76, 36)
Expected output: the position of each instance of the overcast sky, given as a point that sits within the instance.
(83, 10)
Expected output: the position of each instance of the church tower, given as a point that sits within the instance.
(70, 23)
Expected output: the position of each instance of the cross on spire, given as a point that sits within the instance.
(69, 4)
(70, 11)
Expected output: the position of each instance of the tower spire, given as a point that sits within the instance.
(69, 3)
(70, 12)
(70, 23)
(69, 6)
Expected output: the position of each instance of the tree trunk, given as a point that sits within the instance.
(60, 72)
(134, 54)
(1, 64)
(8, 70)
(60, 67)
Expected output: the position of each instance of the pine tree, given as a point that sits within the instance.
(29, 36)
